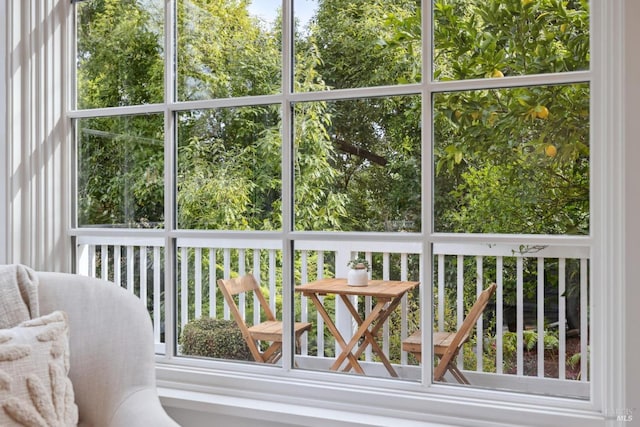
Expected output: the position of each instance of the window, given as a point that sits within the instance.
(446, 142)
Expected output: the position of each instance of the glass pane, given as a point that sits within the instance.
(229, 169)
(534, 326)
(357, 165)
(496, 38)
(206, 324)
(228, 49)
(336, 310)
(355, 43)
(512, 160)
(120, 53)
(121, 171)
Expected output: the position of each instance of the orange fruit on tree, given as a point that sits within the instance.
(497, 73)
(542, 112)
(550, 150)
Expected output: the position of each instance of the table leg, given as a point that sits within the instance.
(353, 361)
(384, 314)
(370, 335)
(362, 330)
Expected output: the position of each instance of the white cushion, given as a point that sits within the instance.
(34, 363)
(18, 295)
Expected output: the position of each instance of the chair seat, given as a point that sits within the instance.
(446, 345)
(441, 340)
(268, 331)
(271, 330)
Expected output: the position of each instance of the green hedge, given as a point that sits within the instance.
(216, 338)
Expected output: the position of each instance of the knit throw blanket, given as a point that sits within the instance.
(18, 295)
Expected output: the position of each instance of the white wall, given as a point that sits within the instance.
(3, 139)
(632, 210)
(34, 146)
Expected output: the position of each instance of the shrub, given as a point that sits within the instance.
(217, 338)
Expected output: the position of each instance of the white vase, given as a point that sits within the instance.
(357, 277)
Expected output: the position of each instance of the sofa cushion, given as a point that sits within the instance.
(18, 295)
(34, 363)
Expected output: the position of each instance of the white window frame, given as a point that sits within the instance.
(4, 179)
(315, 398)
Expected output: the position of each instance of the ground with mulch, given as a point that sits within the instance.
(551, 361)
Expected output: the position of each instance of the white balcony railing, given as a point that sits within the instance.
(541, 297)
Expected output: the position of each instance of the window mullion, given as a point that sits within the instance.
(287, 180)
(170, 205)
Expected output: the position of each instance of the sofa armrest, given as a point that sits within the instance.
(141, 408)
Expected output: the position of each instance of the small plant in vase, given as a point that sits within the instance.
(358, 272)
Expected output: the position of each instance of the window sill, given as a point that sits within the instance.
(296, 401)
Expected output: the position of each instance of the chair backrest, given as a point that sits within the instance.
(243, 284)
(462, 335)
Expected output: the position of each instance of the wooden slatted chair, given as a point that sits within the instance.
(270, 330)
(446, 345)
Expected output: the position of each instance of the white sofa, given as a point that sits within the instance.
(112, 351)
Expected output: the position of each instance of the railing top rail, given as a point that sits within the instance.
(512, 250)
(357, 246)
(409, 247)
(121, 240)
(229, 243)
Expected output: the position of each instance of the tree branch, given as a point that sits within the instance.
(360, 152)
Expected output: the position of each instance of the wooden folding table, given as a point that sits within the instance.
(387, 295)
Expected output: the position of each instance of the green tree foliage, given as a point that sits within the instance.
(222, 51)
(511, 160)
(120, 55)
(121, 171)
(357, 162)
(120, 159)
(377, 139)
(475, 39)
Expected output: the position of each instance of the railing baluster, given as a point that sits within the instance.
(213, 283)
(256, 270)
(368, 303)
(272, 279)
(584, 321)
(540, 320)
(198, 281)
(304, 306)
(117, 265)
(92, 260)
(319, 319)
(499, 315)
(386, 261)
(404, 308)
(143, 273)
(242, 303)
(441, 301)
(184, 286)
(226, 274)
(460, 300)
(82, 259)
(479, 323)
(157, 316)
(104, 262)
(562, 315)
(519, 317)
(129, 266)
